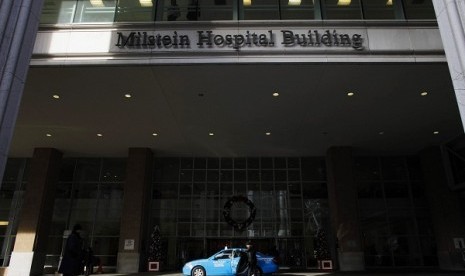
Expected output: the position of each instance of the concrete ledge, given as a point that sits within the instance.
(20, 264)
(351, 261)
(450, 261)
(128, 262)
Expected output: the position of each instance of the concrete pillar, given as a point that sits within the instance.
(19, 21)
(451, 20)
(135, 210)
(448, 221)
(28, 256)
(342, 194)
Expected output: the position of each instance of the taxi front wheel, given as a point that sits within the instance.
(198, 271)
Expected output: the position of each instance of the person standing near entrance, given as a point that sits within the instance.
(72, 262)
(251, 258)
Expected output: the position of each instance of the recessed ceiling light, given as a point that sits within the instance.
(97, 3)
(435, 132)
(146, 3)
(295, 2)
(127, 95)
(424, 93)
(275, 94)
(344, 2)
(99, 134)
(381, 132)
(211, 133)
(268, 133)
(350, 94)
(48, 135)
(155, 134)
(56, 96)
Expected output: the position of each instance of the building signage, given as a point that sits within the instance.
(247, 39)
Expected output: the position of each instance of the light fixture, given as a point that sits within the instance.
(275, 94)
(48, 135)
(268, 133)
(344, 2)
(146, 3)
(211, 133)
(247, 2)
(389, 3)
(381, 133)
(295, 2)
(155, 134)
(56, 96)
(99, 134)
(435, 132)
(424, 93)
(350, 94)
(127, 95)
(3, 223)
(97, 3)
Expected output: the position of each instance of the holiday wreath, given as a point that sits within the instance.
(239, 225)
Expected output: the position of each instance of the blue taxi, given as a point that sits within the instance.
(225, 262)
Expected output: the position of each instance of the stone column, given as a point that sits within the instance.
(448, 221)
(19, 21)
(342, 193)
(135, 210)
(451, 20)
(28, 257)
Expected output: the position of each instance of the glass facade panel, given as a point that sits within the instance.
(261, 10)
(11, 198)
(342, 9)
(393, 214)
(109, 11)
(381, 9)
(95, 11)
(419, 9)
(135, 11)
(89, 192)
(193, 10)
(58, 11)
(198, 209)
(297, 9)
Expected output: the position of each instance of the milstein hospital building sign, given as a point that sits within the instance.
(247, 39)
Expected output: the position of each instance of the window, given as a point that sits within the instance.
(109, 11)
(135, 11)
(419, 9)
(11, 196)
(89, 192)
(342, 9)
(395, 222)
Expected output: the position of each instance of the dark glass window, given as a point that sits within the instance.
(297, 9)
(381, 9)
(196, 10)
(135, 11)
(419, 9)
(95, 11)
(342, 9)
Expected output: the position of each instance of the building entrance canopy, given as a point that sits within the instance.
(230, 110)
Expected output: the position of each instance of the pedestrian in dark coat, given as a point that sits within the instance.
(251, 258)
(71, 264)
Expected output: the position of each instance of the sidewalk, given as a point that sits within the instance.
(313, 273)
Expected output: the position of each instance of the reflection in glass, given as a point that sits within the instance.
(342, 9)
(380, 9)
(419, 9)
(95, 11)
(196, 10)
(58, 11)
